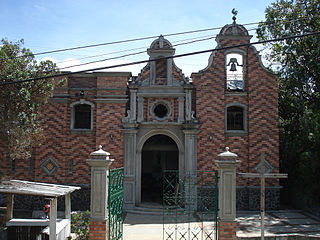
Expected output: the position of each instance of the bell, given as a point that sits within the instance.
(233, 62)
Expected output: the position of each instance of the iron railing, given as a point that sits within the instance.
(115, 203)
(190, 205)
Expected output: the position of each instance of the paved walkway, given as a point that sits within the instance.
(277, 224)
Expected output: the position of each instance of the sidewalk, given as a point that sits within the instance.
(278, 224)
(284, 224)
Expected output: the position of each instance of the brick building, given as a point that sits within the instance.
(161, 119)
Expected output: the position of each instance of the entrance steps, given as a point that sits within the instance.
(147, 209)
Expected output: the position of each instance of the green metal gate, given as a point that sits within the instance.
(190, 205)
(115, 203)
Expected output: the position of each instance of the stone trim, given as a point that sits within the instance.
(72, 105)
(166, 104)
(111, 100)
(48, 171)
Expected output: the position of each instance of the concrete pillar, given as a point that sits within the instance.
(53, 219)
(152, 76)
(133, 102)
(190, 167)
(181, 109)
(169, 71)
(99, 163)
(68, 212)
(10, 201)
(188, 105)
(130, 145)
(140, 109)
(190, 141)
(227, 165)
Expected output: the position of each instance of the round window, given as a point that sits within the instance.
(161, 110)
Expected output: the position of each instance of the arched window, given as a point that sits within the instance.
(234, 71)
(236, 118)
(82, 115)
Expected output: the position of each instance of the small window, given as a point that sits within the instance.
(235, 118)
(82, 116)
(234, 71)
(160, 110)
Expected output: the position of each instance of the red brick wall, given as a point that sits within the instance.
(98, 230)
(262, 114)
(227, 230)
(61, 144)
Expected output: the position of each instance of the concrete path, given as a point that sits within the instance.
(278, 224)
(142, 227)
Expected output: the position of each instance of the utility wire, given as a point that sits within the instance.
(136, 53)
(203, 38)
(163, 58)
(150, 37)
(198, 39)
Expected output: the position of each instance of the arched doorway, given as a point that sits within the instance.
(159, 153)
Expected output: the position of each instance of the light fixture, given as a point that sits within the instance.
(111, 136)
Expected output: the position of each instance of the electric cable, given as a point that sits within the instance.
(150, 37)
(163, 58)
(132, 54)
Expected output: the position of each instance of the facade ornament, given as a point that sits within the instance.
(234, 24)
(127, 119)
(193, 118)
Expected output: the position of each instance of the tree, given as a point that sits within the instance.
(299, 94)
(21, 103)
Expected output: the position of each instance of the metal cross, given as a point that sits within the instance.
(262, 175)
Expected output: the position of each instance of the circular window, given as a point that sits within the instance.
(160, 110)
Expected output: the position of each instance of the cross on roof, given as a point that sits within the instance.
(262, 175)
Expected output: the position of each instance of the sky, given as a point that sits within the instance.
(47, 25)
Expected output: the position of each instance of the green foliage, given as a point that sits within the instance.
(299, 92)
(80, 224)
(22, 103)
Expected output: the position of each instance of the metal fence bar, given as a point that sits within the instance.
(190, 205)
(115, 203)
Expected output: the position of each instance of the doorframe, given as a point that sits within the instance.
(140, 145)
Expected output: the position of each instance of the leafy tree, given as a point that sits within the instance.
(299, 94)
(21, 103)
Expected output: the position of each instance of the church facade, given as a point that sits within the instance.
(162, 120)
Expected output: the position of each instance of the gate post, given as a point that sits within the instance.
(227, 164)
(99, 163)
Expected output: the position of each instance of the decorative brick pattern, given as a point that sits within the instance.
(161, 72)
(260, 97)
(108, 92)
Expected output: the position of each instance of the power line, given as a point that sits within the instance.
(163, 58)
(133, 40)
(136, 53)
(150, 37)
(203, 38)
(112, 58)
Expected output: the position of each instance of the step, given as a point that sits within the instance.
(149, 209)
(146, 208)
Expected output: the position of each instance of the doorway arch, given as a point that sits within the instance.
(158, 153)
(175, 139)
